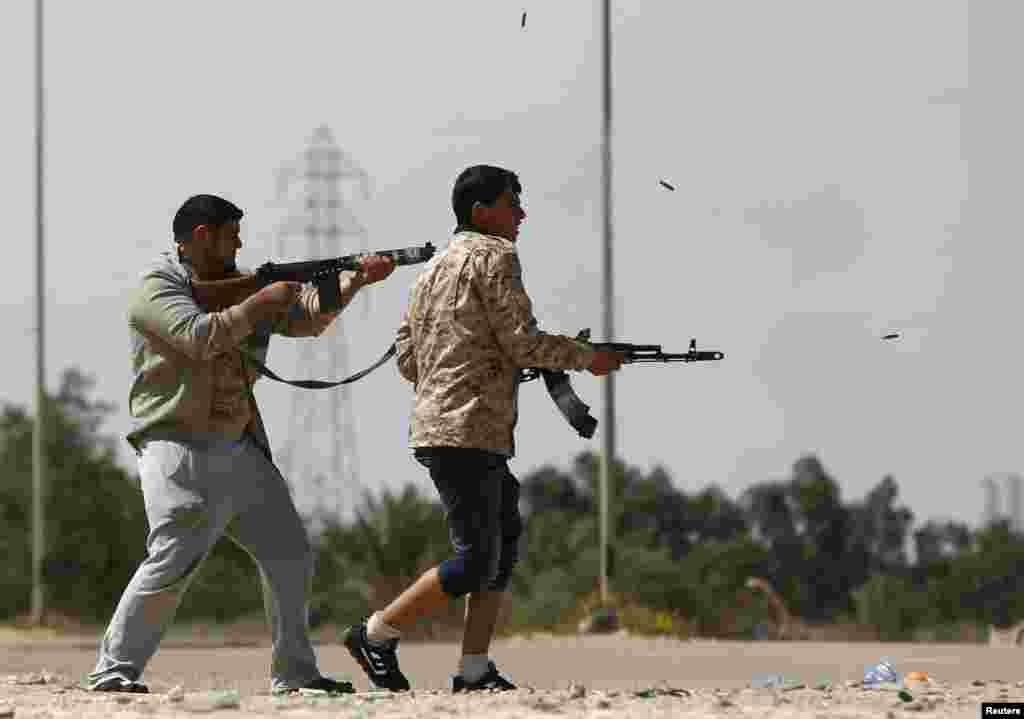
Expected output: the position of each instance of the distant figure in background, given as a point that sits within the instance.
(787, 626)
(468, 331)
(1011, 636)
(998, 595)
(204, 458)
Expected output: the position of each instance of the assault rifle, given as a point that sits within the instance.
(215, 295)
(575, 410)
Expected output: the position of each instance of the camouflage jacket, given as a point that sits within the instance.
(468, 330)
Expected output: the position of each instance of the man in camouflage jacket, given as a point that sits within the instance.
(468, 331)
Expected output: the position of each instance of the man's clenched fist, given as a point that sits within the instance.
(605, 362)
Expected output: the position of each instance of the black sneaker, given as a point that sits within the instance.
(491, 681)
(117, 683)
(380, 662)
(323, 684)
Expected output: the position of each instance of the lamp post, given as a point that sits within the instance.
(608, 418)
(38, 438)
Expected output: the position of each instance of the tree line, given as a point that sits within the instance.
(683, 559)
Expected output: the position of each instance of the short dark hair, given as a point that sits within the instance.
(203, 210)
(480, 183)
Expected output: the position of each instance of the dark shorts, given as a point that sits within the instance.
(481, 501)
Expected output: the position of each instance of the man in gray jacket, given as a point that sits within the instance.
(204, 459)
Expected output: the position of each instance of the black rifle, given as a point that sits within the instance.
(575, 410)
(214, 295)
(324, 273)
(217, 294)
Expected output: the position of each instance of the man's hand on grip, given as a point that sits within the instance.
(281, 294)
(375, 268)
(271, 301)
(605, 362)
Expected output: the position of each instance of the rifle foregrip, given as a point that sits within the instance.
(401, 257)
(410, 255)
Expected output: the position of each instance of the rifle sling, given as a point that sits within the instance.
(316, 383)
(575, 411)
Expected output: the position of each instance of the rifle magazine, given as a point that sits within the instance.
(575, 410)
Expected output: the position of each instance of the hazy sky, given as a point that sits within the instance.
(820, 167)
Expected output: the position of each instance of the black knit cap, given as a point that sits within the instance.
(204, 210)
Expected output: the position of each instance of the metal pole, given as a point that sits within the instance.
(608, 420)
(38, 438)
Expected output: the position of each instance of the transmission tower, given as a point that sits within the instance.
(993, 508)
(994, 511)
(1015, 500)
(320, 451)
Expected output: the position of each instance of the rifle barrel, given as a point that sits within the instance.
(703, 356)
(625, 347)
(305, 270)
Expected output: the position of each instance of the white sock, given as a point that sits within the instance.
(378, 632)
(473, 666)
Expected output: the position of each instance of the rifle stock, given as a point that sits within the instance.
(218, 295)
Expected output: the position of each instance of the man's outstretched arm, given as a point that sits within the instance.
(510, 315)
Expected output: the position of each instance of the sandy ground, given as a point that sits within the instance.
(598, 676)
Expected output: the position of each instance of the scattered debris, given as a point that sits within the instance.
(175, 694)
(775, 681)
(652, 692)
(522, 23)
(214, 700)
(541, 703)
(769, 681)
(227, 699)
(666, 185)
(43, 677)
(881, 673)
(577, 691)
(373, 695)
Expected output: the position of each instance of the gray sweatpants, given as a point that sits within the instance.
(195, 491)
